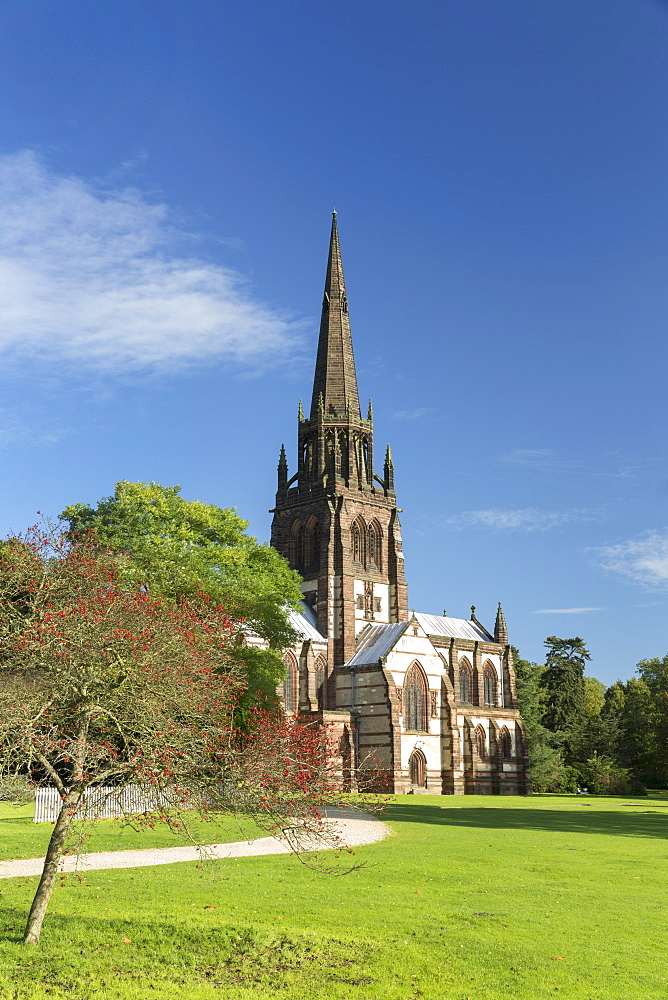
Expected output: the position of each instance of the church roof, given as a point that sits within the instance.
(376, 641)
(304, 623)
(458, 628)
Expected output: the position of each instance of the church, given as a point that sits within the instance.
(427, 701)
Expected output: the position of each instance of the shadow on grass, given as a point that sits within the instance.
(77, 954)
(633, 824)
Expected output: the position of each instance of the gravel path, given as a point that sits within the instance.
(354, 827)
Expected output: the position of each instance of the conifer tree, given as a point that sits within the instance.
(563, 683)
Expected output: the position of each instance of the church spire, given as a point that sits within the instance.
(335, 376)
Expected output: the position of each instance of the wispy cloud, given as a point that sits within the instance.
(538, 459)
(421, 411)
(643, 560)
(15, 431)
(519, 519)
(564, 611)
(89, 273)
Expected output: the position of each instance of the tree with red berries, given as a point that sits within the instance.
(102, 684)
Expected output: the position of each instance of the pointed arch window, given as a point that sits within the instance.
(465, 682)
(358, 538)
(481, 742)
(311, 546)
(415, 699)
(320, 674)
(297, 545)
(506, 742)
(489, 683)
(374, 546)
(291, 683)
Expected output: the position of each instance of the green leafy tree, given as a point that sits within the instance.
(175, 547)
(638, 723)
(587, 737)
(545, 758)
(563, 683)
(611, 719)
(655, 674)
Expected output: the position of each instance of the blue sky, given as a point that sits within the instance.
(167, 173)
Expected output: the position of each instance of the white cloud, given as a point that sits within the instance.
(564, 611)
(539, 459)
(518, 519)
(87, 275)
(643, 560)
(421, 411)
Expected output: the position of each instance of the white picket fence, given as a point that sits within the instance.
(99, 803)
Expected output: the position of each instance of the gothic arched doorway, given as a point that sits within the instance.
(417, 769)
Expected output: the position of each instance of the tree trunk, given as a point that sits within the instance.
(50, 870)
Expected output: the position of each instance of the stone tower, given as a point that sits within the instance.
(336, 520)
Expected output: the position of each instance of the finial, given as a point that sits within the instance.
(473, 612)
(445, 613)
(300, 412)
(333, 211)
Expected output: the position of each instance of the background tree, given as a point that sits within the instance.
(103, 683)
(546, 762)
(563, 683)
(175, 547)
(587, 735)
(612, 713)
(638, 748)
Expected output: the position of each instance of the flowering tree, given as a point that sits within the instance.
(102, 684)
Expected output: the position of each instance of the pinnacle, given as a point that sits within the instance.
(500, 627)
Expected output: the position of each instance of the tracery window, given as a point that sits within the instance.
(357, 535)
(465, 682)
(291, 683)
(373, 546)
(489, 684)
(481, 742)
(415, 699)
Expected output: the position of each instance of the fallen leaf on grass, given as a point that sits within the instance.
(209, 907)
(557, 958)
(127, 940)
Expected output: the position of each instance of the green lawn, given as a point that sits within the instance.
(470, 897)
(21, 838)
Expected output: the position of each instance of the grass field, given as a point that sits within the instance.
(470, 897)
(21, 838)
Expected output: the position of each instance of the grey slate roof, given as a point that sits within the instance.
(303, 622)
(459, 628)
(375, 642)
